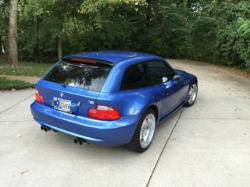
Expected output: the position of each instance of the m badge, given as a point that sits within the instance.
(91, 102)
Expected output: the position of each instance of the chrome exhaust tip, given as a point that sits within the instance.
(80, 141)
(76, 141)
(45, 129)
(42, 127)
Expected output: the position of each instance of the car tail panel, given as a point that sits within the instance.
(66, 99)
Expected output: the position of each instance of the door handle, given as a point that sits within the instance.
(165, 92)
(186, 82)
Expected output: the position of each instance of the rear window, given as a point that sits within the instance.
(81, 75)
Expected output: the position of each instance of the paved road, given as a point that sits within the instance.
(205, 145)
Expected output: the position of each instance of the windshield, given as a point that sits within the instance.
(81, 75)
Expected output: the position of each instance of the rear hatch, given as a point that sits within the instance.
(73, 84)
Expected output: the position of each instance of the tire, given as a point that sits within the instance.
(144, 132)
(192, 95)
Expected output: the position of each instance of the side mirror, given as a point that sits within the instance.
(164, 79)
(176, 78)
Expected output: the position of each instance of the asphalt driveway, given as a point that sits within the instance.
(207, 144)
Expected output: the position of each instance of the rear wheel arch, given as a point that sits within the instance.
(144, 132)
(155, 109)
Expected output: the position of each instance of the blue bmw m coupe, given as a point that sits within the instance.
(111, 97)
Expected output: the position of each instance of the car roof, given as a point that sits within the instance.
(111, 56)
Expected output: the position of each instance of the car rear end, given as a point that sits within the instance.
(67, 101)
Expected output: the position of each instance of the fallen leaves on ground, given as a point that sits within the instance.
(23, 172)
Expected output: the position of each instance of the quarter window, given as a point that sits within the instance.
(136, 76)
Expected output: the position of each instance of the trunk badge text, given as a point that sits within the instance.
(91, 102)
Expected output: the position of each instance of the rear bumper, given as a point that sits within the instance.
(109, 133)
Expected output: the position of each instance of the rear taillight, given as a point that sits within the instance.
(39, 98)
(104, 113)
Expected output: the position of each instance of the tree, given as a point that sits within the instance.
(12, 36)
(46, 26)
(155, 7)
(4, 19)
(234, 33)
(214, 31)
(1, 49)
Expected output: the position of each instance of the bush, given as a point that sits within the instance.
(6, 84)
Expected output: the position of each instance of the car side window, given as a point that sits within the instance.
(136, 76)
(158, 70)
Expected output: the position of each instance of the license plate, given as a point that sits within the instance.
(62, 104)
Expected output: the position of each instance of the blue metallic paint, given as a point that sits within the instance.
(94, 131)
(131, 103)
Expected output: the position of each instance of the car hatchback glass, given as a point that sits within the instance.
(81, 75)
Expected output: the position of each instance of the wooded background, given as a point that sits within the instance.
(215, 31)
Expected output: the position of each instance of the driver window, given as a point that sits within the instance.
(158, 70)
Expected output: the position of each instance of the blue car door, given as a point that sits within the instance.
(173, 93)
(172, 90)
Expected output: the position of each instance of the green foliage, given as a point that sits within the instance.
(82, 25)
(213, 31)
(234, 33)
(203, 39)
(4, 13)
(178, 30)
(6, 84)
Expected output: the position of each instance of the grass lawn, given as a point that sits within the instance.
(23, 69)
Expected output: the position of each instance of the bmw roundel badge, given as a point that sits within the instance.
(62, 94)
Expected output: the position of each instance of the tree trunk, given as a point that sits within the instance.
(36, 51)
(12, 36)
(163, 21)
(59, 48)
(217, 3)
(148, 14)
(104, 12)
(1, 46)
(155, 7)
